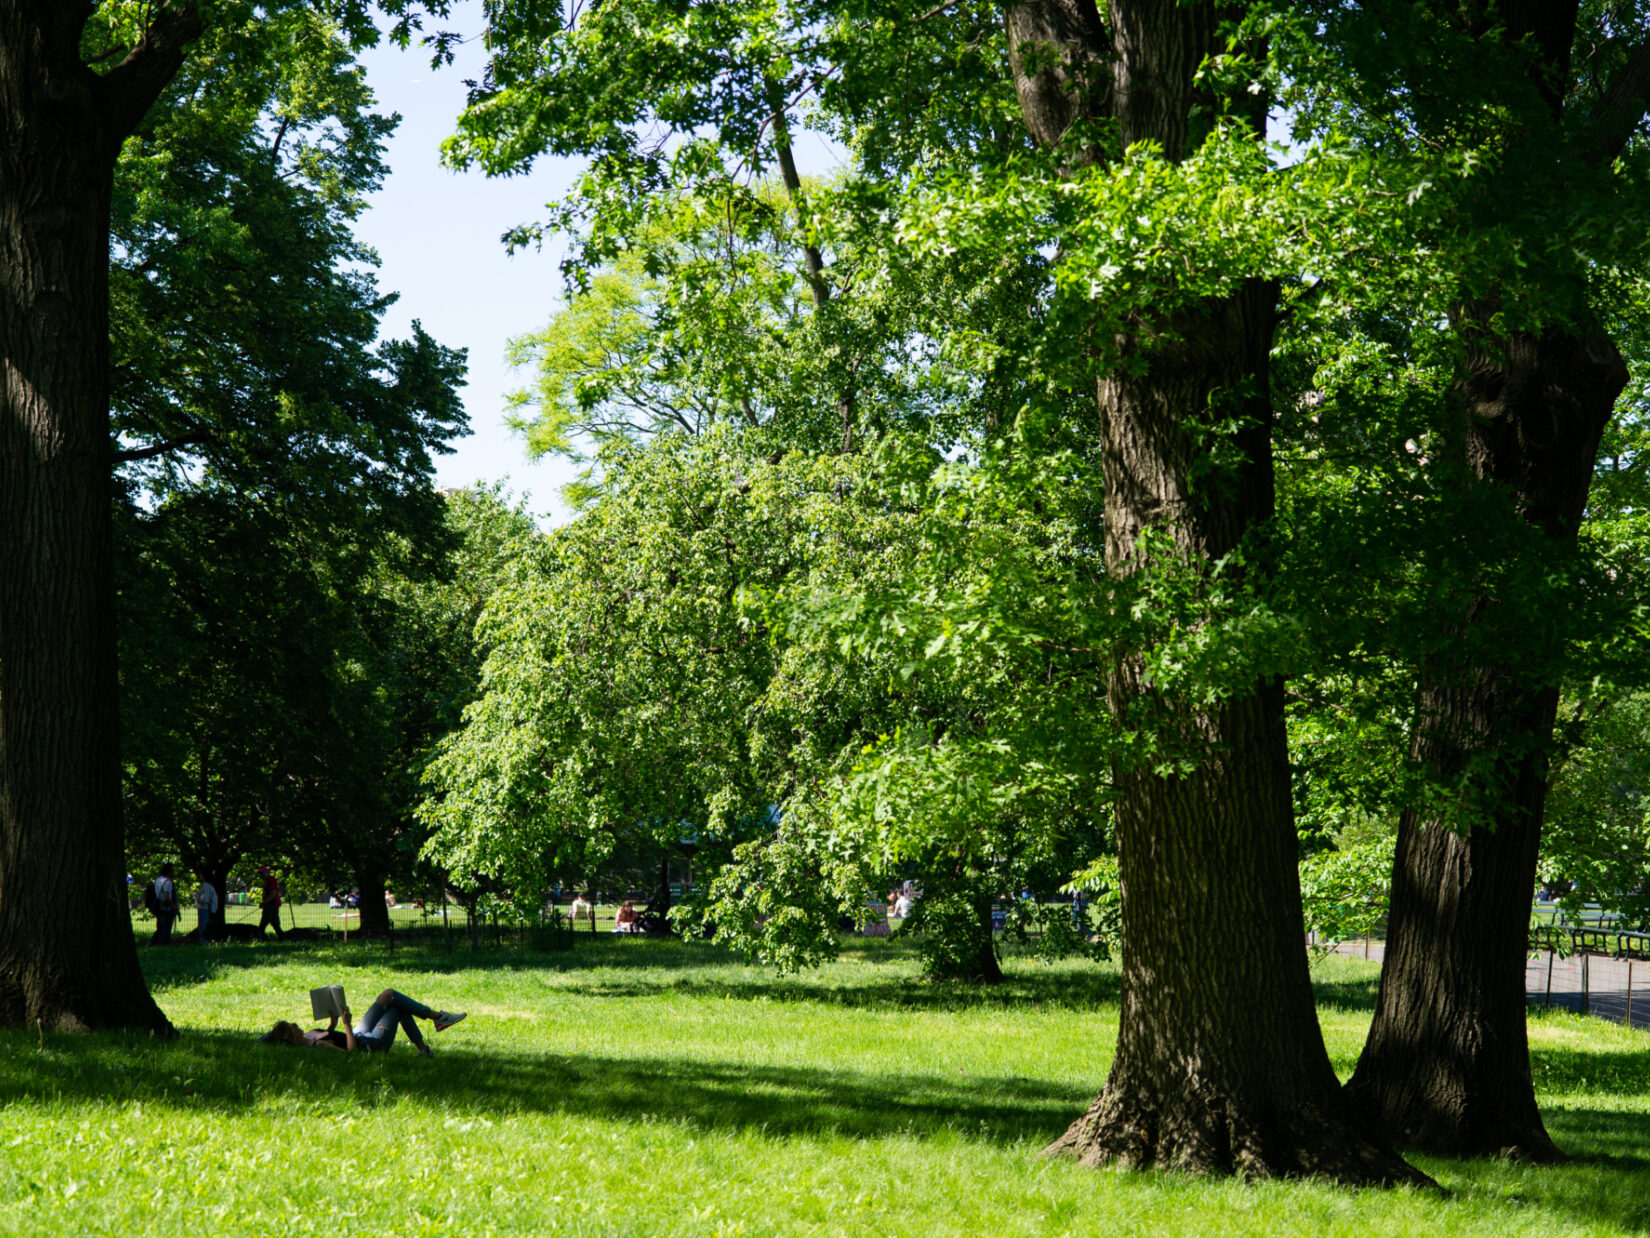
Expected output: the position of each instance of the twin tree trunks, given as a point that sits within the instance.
(67, 956)
(1195, 1082)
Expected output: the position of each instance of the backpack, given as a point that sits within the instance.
(151, 900)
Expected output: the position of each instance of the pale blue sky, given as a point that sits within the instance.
(437, 235)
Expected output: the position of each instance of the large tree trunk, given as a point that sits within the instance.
(67, 958)
(375, 913)
(1447, 1063)
(216, 874)
(1220, 1064)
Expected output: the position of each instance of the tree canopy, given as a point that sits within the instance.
(1189, 451)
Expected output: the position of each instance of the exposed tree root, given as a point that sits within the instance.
(1513, 1133)
(65, 1015)
(1209, 1134)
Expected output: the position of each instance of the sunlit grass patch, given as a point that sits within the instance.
(641, 1087)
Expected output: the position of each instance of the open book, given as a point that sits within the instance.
(326, 1001)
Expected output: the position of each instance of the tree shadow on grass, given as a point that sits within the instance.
(427, 954)
(1607, 1181)
(1569, 1071)
(883, 976)
(182, 967)
(235, 1074)
(1086, 993)
(618, 967)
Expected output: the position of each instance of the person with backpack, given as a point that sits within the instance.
(160, 896)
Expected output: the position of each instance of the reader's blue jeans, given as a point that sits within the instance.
(375, 1030)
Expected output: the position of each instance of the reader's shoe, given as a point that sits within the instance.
(425, 1051)
(446, 1018)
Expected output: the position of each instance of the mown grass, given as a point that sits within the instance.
(404, 916)
(647, 1087)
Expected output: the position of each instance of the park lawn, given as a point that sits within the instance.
(404, 915)
(652, 1088)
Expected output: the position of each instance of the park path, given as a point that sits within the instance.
(1592, 983)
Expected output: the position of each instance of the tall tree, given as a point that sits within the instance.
(1175, 348)
(634, 686)
(283, 471)
(75, 81)
(1200, 1080)
(1447, 1062)
(420, 666)
(66, 953)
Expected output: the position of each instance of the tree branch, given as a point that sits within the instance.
(280, 136)
(127, 91)
(119, 49)
(1621, 108)
(1059, 52)
(793, 187)
(934, 12)
(157, 449)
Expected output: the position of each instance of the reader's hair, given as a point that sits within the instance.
(284, 1033)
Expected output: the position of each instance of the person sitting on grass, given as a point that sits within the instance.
(627, 919)
(375, 1033)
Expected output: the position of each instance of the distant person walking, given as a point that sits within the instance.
(271, 903)
(206, 906)
(163, 902)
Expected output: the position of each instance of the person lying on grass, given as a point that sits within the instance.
(375, 1033)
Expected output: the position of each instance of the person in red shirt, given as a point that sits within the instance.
(271, 917)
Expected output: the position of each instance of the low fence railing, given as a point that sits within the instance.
(1566, 939)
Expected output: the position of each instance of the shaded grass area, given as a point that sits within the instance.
(641, 1087)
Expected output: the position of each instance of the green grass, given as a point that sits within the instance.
(647, 1087)
(332, 920)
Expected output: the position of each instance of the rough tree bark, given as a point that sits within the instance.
(1220, 1064)
(67, 957)
(986, 969)
(1446, 1065)
(375, 913)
